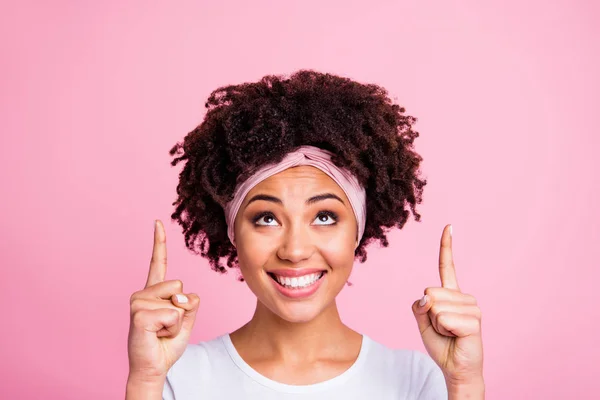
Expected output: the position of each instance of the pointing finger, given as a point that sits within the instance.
(447, 271)
(158, 263)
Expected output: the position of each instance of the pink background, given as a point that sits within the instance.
(94, 94)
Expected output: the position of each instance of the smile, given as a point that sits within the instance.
(297, 284)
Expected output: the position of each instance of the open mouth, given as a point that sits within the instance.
(300, 282)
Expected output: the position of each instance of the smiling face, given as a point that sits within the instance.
(295, 235)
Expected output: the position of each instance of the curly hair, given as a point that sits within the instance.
(252, 124)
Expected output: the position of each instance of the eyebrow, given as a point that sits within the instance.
(312, 200)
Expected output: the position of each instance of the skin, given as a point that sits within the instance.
(450, 325)
(299, 341)
(296, 341)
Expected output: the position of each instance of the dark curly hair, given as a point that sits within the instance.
(251, 124)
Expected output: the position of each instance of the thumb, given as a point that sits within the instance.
(420, 309)
(190, 304)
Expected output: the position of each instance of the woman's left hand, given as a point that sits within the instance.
(450, 324)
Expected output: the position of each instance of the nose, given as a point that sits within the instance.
(296, 245)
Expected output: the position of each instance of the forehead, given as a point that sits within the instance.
(301, 180)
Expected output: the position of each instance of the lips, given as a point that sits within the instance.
(297, 281)
(295, 272)
(297, 284)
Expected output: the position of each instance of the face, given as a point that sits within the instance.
(295, 235)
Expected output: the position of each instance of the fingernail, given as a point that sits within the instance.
(450, 230)
(423, 301)
(181, 298)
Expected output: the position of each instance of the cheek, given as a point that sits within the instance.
(338, 251)
(254, 256)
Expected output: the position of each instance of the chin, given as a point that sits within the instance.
(297, 312)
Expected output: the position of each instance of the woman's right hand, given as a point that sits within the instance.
(161, 322)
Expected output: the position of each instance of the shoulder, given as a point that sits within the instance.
(199, 354)
(413, 369)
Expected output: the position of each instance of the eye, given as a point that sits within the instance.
(326, 218)
(265, 219)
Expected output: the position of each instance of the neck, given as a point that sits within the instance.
(273, 336)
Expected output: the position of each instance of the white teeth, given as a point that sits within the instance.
(299, 282)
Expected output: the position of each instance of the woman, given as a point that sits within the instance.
(289, 179)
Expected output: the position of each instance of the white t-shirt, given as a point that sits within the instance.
(215, 370)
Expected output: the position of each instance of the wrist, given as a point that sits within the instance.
(463, 390)
(144, 385)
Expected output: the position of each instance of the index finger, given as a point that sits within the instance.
(447, 271)
(158, 263)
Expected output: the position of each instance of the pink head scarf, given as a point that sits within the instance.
(305, 155)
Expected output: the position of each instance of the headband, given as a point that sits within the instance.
(305, 155)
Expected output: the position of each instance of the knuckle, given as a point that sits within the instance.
(158, 259)
(477, 324)
(434, 322)
(430, 291)
(172, 311)
(177, 314)
(135, 305)
(441, 317)
(177, 285)
(138, 318)
(134, 297)
(470, 298)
